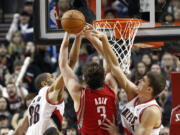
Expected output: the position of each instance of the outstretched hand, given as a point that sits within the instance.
(89, 31)
(83, 31)
(110, 126)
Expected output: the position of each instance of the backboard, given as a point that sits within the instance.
(162, 17)
(47, 16)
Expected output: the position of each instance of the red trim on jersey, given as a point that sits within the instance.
(142, 102)
(79, 112)
(80, 100)
(56, 111)
(127, 131)
(132, 98)
(144, 110)
(52, 102)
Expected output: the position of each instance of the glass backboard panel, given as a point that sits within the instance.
(162, 17)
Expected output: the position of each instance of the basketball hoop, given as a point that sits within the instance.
(121, 34)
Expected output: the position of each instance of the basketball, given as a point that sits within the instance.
(73, 21)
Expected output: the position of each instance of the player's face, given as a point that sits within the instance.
(143, 85)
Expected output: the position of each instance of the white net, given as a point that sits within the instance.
(121, 36)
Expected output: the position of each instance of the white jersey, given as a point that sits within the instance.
(40, 112)
(131, 115)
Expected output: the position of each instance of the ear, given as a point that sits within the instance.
(43, 83)
(150, 90)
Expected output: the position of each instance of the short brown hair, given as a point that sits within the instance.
(40, 78)
(94, 75)
(157, 82)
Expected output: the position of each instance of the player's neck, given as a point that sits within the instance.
(143, 98)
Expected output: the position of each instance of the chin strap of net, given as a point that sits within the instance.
(121, 36)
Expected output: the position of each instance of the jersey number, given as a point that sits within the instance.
(34, 114)
(102, 111)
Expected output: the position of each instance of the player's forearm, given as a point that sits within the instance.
(63, 57)
(113, 63)
(97, 44)
(110, 56)
(116, 70)
(99, 47)
(59, 83)
(74, 53)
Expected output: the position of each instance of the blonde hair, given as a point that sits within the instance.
(14, 47)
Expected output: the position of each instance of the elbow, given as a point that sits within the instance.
(72, 62)
(61, 63)
(62, 66)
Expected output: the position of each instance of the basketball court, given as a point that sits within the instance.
(148, 33)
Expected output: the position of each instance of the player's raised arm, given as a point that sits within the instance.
(94, 40)
(58, 85)
(70, 79)
(109, 79)
(111, 59)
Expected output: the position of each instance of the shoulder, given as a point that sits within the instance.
(153, 112)
(154, 109)
(43, 90)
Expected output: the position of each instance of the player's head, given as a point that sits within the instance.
(94, 75)
(152, 83)
(51, 131)
(44, 79)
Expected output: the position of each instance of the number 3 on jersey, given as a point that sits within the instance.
(34, 114)
(102, 111)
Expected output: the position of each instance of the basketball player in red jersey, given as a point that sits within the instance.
(94, 102)
(49, 100)
(141, 115)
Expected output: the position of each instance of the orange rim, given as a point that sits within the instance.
(149, 45)
(124, 27)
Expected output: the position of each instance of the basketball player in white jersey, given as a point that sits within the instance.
(141, 115)
(48, 101)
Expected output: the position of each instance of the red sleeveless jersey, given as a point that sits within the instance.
(95, 105)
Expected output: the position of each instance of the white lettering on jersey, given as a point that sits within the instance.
(177, 117)
(39, 113)
(100, 101)
(101, 109)
(131, 114)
